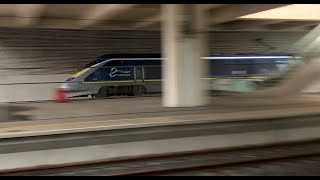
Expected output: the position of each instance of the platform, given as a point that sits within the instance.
(44, 118)
(83, 131)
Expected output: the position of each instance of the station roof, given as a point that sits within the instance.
(222, 17)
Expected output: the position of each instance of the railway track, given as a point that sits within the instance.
(308, 164)
(217, 168)
(185, 163)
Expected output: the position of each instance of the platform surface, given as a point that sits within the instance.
(43, 118)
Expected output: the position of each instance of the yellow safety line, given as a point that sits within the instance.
(3, 130)
(48, 125)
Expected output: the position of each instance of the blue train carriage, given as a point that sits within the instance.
(138, 74)
(117, 74)
(240, 72)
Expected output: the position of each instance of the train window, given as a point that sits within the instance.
(265, 69)
(152, 72)
(232, 67)
(97, 75)
(221, 68)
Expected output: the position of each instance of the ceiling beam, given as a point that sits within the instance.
(307, 41)
(147, 22)
(29, 14)
(247, 24)
(150, 21)
(207, 7)
(102, 12)
(72, 24)
(218, 28)
(290, 25)
(233, 11)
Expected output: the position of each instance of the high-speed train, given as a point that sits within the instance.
(138, 74)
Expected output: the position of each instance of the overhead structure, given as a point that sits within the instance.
(28, 15)
(103, 12)
(221, 17)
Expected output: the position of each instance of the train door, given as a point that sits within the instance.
(138, 74)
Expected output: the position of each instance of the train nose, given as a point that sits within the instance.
(68, 84)
(65, 86)
(70, 79)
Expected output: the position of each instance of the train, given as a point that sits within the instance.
(139, 74)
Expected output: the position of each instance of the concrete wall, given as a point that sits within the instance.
(29, 87)
(46, 55)
(44, 51)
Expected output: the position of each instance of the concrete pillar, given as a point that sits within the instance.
(183, 44)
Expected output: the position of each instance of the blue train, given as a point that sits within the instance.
(138, 74)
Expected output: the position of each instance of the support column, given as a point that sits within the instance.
(183, 44)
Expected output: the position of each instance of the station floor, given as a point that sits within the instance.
(81, 115)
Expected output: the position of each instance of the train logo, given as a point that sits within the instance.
(115, 72)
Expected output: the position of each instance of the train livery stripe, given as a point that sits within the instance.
(123, 81)
(81, 72)
(249, 77)
(152, 80)
(97, 82)
(85, 70)
(158, 80)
